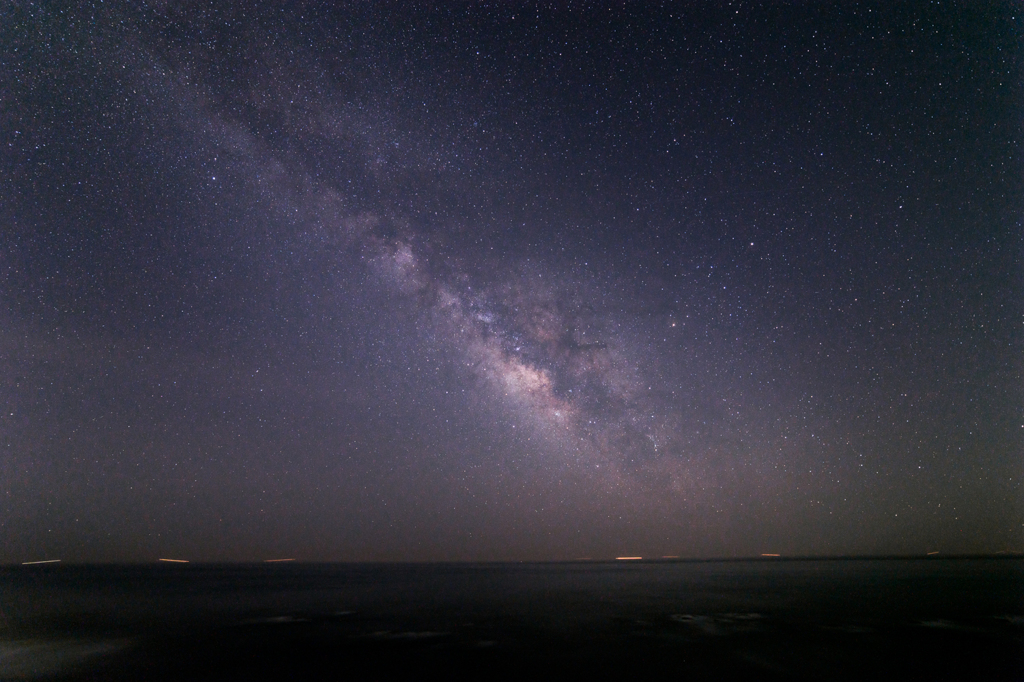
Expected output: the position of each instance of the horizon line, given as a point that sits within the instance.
(1003, 554)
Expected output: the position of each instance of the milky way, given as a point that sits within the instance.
(526, 282)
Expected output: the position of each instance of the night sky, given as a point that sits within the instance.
(510, 281)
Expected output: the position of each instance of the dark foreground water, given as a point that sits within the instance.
(771, 620)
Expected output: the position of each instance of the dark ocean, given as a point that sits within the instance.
(934, 619)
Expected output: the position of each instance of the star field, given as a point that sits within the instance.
(530, 281)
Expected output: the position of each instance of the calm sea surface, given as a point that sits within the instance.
(773, 620)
